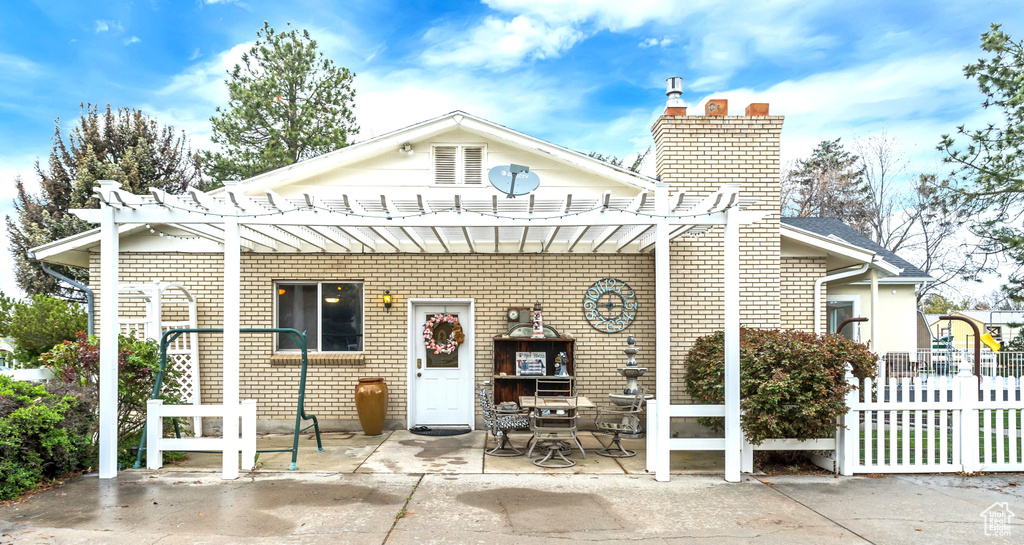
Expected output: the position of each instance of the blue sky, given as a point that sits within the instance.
(586, 74)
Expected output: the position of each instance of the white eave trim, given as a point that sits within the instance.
(391, 141)
(827, 244)
(73, 250)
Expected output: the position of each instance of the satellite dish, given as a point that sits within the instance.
(513, 180)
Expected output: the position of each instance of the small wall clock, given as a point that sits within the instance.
(610, 305)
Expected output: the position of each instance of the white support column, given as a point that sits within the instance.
(733, 433)
(157, 312)
(663, 334)
(232, 322)
(873, 274)
(109, 329)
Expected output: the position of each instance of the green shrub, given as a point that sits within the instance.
(44, 432)
(138, 362)
(792, 383)
(40, 324)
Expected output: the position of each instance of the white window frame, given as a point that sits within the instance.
(855, 299)
(460, 164)
(319, 305)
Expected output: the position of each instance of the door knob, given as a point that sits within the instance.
(419, 374)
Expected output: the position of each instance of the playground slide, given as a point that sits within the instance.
(990, 342)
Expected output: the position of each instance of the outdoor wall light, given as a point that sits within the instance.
(331, 299)
(407, 148)
(387, 300)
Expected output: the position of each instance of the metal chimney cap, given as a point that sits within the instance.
(674, 92)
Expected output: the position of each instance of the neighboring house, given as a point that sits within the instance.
(6, 352)
(1003, 325)
(411, 215)
(894, 324)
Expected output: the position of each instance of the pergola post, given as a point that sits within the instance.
(109, 330)
(662, 333)
(231, 338)
(733, 434)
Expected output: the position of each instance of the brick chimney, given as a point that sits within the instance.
(697, 154)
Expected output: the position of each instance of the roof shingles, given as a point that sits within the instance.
(831, 226)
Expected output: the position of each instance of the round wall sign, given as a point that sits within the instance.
(610, 305)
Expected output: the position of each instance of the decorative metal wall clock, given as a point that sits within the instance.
(610, 305)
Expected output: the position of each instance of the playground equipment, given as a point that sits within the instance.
(990, 342)
(300, 412)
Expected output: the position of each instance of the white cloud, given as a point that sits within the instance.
(132, 40)
(204, 82)
(653, 42)
(500, 45)
(13, 64)
(195, 55)
(108, 25)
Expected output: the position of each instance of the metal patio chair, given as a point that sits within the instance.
(617, 420)
(554, 427)
(499, 423)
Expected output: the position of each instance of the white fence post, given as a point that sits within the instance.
(848, 434)
(746, 454)
(652, 435)
(966, 391)
(154, 432)
(248, 434)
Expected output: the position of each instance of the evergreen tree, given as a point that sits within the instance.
(123, 145)
(989, 167)
(287, 103)
(830, 183)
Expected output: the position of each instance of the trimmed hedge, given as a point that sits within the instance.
(45, 431)
(792, 383)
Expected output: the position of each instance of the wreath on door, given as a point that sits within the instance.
(443, 345)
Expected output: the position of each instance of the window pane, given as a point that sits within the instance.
(839, 311)
(296, 308)
(342, 317)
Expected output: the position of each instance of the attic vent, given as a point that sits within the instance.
(444, 165)
(455, 165)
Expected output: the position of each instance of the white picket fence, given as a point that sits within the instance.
(932, 425)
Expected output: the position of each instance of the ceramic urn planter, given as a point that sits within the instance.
(372, 404)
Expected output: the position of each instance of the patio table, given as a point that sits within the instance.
(553, 403)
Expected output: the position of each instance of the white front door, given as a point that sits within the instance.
(441, 390)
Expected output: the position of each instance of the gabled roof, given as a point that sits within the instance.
(389, 142)
(833, 228)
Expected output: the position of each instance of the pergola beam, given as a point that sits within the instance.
(286, 234)
(332, 234)
(357, 208)
(425, 208)
(390, 207)
(319, 205)
(634, 206)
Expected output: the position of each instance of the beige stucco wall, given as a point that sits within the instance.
(897, 315)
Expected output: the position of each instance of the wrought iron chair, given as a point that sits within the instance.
(617, 420)
(499, 423)
(555, 426)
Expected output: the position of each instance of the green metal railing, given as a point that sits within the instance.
(300, 412)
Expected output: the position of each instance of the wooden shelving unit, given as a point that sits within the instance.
(510, 387)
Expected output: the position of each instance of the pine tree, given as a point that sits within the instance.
(830, 183)
(287, 103)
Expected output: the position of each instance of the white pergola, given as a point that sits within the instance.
(441, 221)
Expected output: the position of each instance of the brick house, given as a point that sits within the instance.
(411, 215)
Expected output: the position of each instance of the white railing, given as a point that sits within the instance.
(934, 362)
(229, 447)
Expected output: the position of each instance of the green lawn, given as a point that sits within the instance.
(931, 441)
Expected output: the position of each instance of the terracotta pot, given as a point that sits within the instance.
(372, 404)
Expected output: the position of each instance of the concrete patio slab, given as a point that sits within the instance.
(923, 509)
(405, 452)
(592, 464)
(182, 507)
(343, 452)
(688, 462)
(544, 509)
